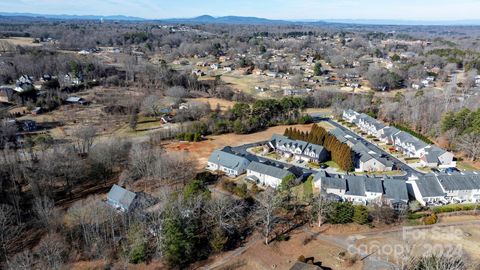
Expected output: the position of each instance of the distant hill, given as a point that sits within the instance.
(72, 17)
(404, 22)
(227, 20)
(207, 19)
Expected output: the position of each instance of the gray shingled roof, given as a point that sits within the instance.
(355, 185)
(459, 181)
(121, 196)
(227, 160)
(268, 170)
(373, 185)
(332, 182)
(395, 189)
(429, 186)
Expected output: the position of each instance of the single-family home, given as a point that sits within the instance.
(7, 94)
(229, 163)
(267, 175)
(120, 198)
(76, 100)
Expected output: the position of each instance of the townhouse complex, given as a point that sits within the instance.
(429, 155)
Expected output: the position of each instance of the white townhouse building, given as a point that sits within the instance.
(299, 150)
(267, 175)
(231, 164)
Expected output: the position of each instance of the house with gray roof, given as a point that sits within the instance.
(299, 150)
(461, 187)
(395, 191)
(386, 135)
(229, 163)
(120, 198)
(433, 156)
(363, 190)
(267, 175)
(365, 160)
(427, 190)
(350, 115)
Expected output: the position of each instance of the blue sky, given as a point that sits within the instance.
(272, 9)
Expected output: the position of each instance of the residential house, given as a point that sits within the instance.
(229, 163)
(477, 80)
(28, 125)
(461, 187)
(434, 156)
(76, 100)
(271, 74)
(408, 144)
(299, 150)
(120, 198)
(215, 66)
(447, 188)
(396, 192)
(363, 190)
(267, 175)
(370, 125)
(367, 160)
(72, 79)
(7, 94)
(386, 135)
(198, 73)
(350, 115)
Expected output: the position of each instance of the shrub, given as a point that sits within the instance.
(342, 213)
(455, 208)
(431, 219)
(360, 214)
(301, 258)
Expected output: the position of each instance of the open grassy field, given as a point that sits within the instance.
(22, 41)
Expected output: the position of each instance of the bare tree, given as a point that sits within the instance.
(226, 213)
(268, 204)
(84, 138)
(52, 251)
(47, 214)
(22, 261)
(9, 229)
(470, 144)
(176, 92)
(151, 106)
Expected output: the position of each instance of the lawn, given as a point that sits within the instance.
(464, 166)
(332, 164)
(273, 155)
(387, 173)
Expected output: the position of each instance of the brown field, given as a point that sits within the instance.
(282, 255)
(202, 150)
(214, 102)
(22, 41)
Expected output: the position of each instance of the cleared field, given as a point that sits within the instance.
(21, 41)
(202, 150)
(214, 102)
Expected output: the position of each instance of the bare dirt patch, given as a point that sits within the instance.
(282, 255)
(214, 102)
(202, 150)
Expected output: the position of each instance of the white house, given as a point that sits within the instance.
(228, 163)
(433, 156)
(363, 190)
(267, 175)
(350, 115)
(120, 198)
(299, 150)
